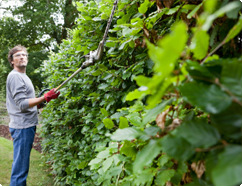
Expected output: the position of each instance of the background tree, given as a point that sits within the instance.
(38, 25)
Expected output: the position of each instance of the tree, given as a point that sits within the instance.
(38, 25)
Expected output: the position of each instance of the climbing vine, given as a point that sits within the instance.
(162, 107)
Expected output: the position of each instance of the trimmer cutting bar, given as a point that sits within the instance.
(93, 55)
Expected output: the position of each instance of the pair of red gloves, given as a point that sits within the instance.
(51, 95)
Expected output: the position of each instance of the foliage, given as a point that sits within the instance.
(179, 124)
(37, 25)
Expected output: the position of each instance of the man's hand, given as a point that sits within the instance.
(51, 95)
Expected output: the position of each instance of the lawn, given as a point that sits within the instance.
(38, 176)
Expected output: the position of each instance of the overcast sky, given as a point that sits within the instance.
(7, 3)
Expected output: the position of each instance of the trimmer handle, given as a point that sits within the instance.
(43, 91)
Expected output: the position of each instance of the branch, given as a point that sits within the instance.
(211, 53)
(4, 8)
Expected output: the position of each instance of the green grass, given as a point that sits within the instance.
(37, 174)
(4, 120)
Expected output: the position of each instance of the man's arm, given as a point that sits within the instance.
(47, 97)
(35, 101)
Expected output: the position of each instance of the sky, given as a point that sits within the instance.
(7, 3)
(13, 3)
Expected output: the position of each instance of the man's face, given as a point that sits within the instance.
(20, 59)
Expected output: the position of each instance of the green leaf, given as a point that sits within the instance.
(227, 8)
(164, 176)
(210, 5)
(134, 118)
(104, 112)
(229, 122)
(142, 80)
(123, 123)
(199, 133)
(234, 31)
(136, 94)
(157, 97)
(107, 164)
(235, 13)
(108, 123)
(164, 62)
(146, 155)
(209, 98)
(189, 16)
(163, 160)
(200, 43)
(177, 147)
(144, 178)
(82, 165)
(95, 163)
(103, 86)
(231, 77)
(198, 71)
(128, 149)
(103, 154)
(228, 170)
(144, 7)
(172, 10)
(126, 134)
(152, 113)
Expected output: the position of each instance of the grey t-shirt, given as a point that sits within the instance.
(19, 89)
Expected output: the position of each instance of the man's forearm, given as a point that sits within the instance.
(35, 101)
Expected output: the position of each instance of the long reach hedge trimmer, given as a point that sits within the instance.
(92, 56)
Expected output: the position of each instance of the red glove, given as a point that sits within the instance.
(51, 95)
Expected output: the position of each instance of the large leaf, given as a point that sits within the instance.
(146, 155)
(198, 71)
(128, 148)
(193, 12)
(219, 13)
(107, 163)
(200, 43)
(182, 142)
(161, 55)
(108, 123)
(164, 176)
(134, 118)
(144, 7)
(152, 113)
(126, 134)
(228, 170)
(123, 123)
(177, 147)
(209, 98)
(199, 133)
(229, 122)
(231, 77)
(144, 178)
(136, 94)
(234, 31)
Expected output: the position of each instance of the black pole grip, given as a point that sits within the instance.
(43, 91)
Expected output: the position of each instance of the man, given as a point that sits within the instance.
(22, 109)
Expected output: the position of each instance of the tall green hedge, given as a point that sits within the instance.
(162, 107)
